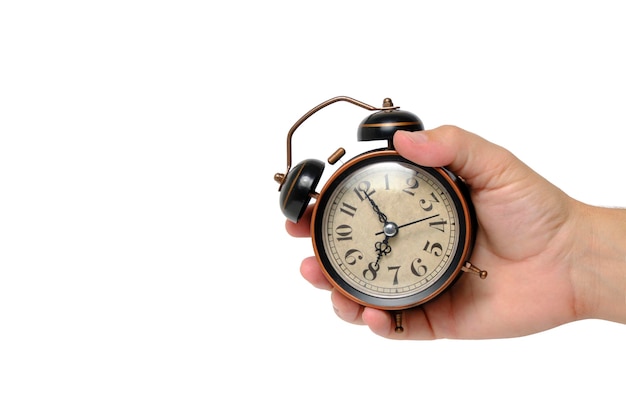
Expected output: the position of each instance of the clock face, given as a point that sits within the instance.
(389, 233)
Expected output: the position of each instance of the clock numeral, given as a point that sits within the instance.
(352, 256)
(417, 268)
(428, 205)
(412, 184)
(440, 225)
(434, 249)
(395, 274)
(344, 231)
(363, 189)
(348, 209)
(371, 272)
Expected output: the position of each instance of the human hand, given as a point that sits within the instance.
(526, 239)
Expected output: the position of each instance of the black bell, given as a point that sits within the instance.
(384, 123)
(300, 182)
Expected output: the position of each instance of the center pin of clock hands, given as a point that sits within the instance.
(390, 229)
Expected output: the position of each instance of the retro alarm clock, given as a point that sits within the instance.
(387, 233)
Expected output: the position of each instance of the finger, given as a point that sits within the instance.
(346, 309)
(464, 153)
(379, 322)
(311, 271)
(414, 323)
(303, 227)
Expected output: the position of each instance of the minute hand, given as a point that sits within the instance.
(413, 222)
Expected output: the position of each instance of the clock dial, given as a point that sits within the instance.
(389, 233)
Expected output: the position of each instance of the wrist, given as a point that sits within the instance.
(599, 264)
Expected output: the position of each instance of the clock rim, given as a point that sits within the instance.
(452, 183)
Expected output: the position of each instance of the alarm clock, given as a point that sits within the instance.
(387, 233)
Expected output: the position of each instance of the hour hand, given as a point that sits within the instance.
(390, 229)
(382, 249)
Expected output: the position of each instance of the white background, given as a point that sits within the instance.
(144, 267)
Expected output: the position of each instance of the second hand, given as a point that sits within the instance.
(413, 222)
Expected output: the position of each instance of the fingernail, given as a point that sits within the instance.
(417, 137)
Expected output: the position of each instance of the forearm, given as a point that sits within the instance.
(599, 264)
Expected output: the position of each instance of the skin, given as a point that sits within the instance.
(551, 259)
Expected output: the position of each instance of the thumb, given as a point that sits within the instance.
(464, 153)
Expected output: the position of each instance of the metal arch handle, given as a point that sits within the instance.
(387, 105)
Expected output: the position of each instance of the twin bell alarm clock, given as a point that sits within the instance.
(387, 233)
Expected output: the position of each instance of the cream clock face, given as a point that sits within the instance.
(389, 233)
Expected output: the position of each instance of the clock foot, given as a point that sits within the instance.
(398, 317)
(468, 267)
